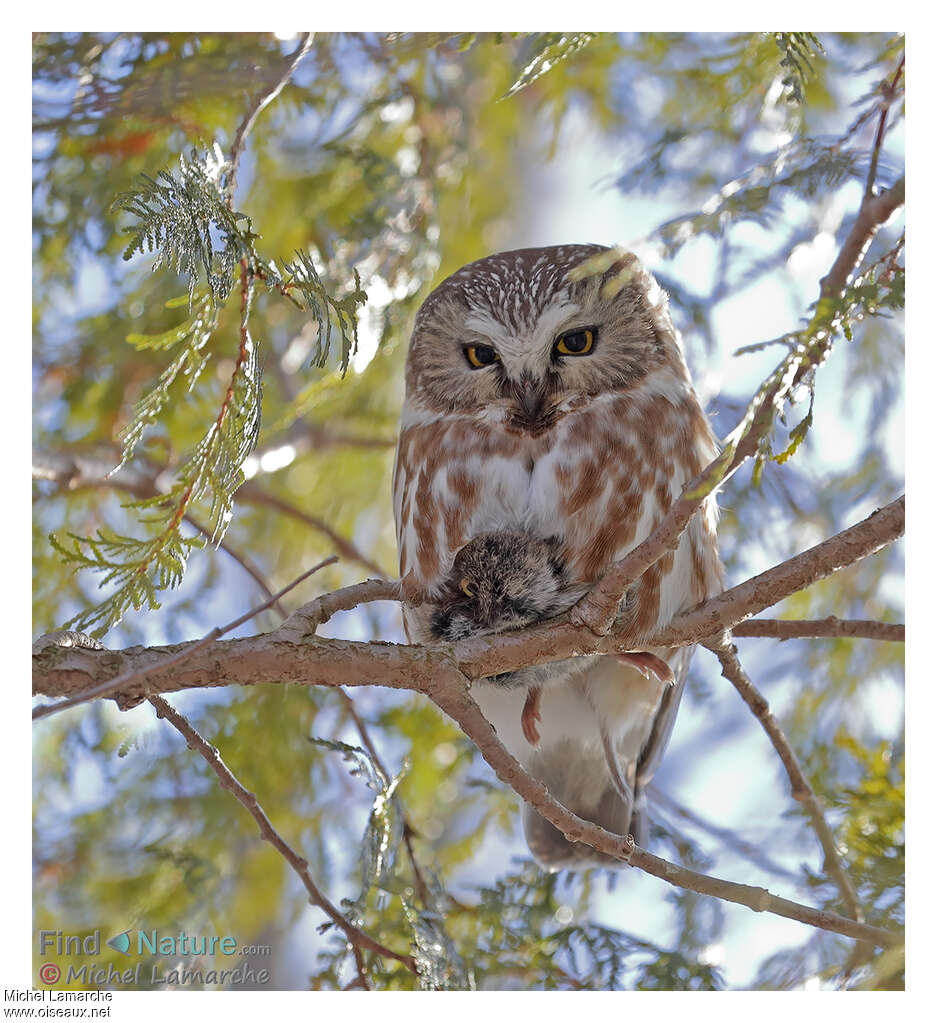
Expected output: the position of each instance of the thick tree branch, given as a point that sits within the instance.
(294, 654)
(137, 676)
(288, 655)
(357, 938)
(800, 787)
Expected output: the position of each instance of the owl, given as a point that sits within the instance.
(558, 407)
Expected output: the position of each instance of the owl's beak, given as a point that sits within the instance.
(530, 395)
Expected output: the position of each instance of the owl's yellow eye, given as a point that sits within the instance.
(576, 342)
(465, 585)
(481, 355)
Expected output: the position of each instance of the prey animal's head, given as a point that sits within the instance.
(500, 582)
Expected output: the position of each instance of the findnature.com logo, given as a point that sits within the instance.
(150, 943)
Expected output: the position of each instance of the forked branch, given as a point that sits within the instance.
(800, 787)
(357, 938)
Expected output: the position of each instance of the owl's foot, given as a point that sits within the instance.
(530, 716)
(649, 664)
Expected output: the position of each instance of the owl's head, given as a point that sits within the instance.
(514, 332)
(503, 581)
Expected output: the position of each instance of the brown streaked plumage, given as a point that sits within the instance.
(584, 451)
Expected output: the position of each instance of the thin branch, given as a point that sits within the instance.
(823, 628)
(450, 694)
(882, 527)
(305, 436)
(357, 938)
(800, 787)
(137, 675)
(250, 493)
(259, 104)
(70, 477)
(874, 212)
(305, 620)
(598, 608)
(74, 471)
(889, 95)
(249, 567)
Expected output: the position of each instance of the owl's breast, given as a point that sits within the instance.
(600, 478)
(456, 477)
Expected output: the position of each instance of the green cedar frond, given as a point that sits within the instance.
(549, 48)
(652, 167)
(175, 216)
(407, 45)
(875, 291)
(438, 962)
(194, 334)
(797, 48)
(213, 470)
(797, 435)
(212, 473)
(384, 830)
(789, 340)
(137, 567)
(324, 308)
(518, 929)
(181, 217)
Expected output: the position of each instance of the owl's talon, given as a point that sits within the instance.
(649, 664)
(530, 716)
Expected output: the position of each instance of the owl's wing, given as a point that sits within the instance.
(657, 742)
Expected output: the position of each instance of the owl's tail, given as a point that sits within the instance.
(553, 851)
(613, 807)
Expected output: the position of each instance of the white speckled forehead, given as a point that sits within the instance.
(514, 288)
